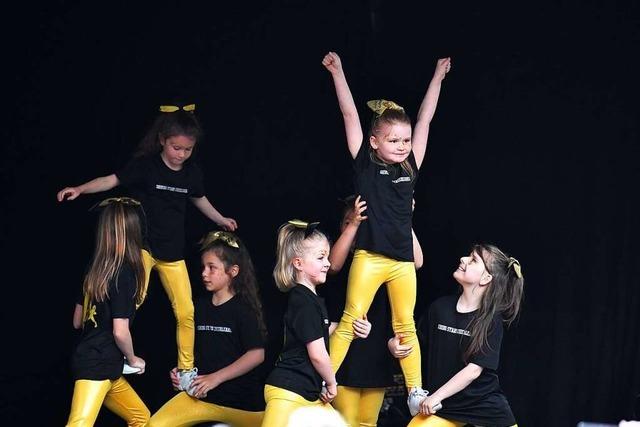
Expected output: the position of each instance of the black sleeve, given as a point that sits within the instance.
(197, 182)
(306, 323)
(489, 356)
(362, 158)
(132, 173)
(250, 336)
(122, 295)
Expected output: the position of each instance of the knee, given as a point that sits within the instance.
(184, 312)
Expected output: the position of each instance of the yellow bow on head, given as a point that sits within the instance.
(517, 268)
(110, 200)
(225, 237)
(379, 106)
(308, 227)
(174, 108)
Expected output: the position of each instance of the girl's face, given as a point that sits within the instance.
(176, 150)
(312, 267)
(472, 271)
(393, 143)
(214, 276)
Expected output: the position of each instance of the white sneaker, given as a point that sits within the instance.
(128, 369)
(415, 398)
(185, 378)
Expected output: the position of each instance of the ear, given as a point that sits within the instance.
(485, 279)
(297, 263)
(373, 142)
(234, 270)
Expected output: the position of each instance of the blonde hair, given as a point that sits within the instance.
(292, 243)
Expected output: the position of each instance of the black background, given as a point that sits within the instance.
(533, 147)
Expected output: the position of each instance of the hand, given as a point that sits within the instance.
(443, 66)
(413, 205)
(362, 327)
(398, 350)
(137, 362)
(203, 383)
(359, 206)
(228, 224)
(332, 63)
(329, 392)
(429, 404)
(69, 193)
(175, 382)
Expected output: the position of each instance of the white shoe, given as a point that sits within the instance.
(415, 398)
(128, 369)
(185, 378)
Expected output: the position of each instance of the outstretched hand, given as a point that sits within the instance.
(228, 224)
(398, 350)
(332, 63)
(68, 193)
(443, 66)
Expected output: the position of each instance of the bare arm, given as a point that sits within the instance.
(204, 205)
(322, 364)
(427, 110)
(96, 185)
(245, 363)
(458, 382)
(352, 127)
(122, 336)
(77, 317)
(342, 246)
(418, 258)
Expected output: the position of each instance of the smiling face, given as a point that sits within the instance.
(392, 142)
(176, 150)
(472, 271)
(215, 276)
(313, 265)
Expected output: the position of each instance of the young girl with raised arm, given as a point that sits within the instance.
(386, 168)
(464, 336)
(112, 288)
(230, 340)
(368, 368)
(303, 365)
(163, 178)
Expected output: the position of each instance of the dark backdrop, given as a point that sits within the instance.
(534, 147)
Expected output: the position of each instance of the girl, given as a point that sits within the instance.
(464, 338)
(303, 365)
(386, 171)
(112, 288)
(367, 368)
(230, 338)
(162, 178)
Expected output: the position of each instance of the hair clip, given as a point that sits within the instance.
(516, 266)
(174, 108)
(228, 238)
(110, 200)
(379, 106)
(308, 227)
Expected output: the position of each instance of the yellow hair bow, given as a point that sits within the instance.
(174, 108)
(308, 227)
(110, 200)
(228, 238)
(516, 266)
(379, 106)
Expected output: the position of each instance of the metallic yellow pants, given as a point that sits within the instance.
(359, 407)
(368, 271)
(281, 404)
(184, 410)
(175, 280)
(435, 421)
(117, 395)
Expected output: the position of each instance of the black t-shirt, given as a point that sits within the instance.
(223, 334)
(96, 356)
(388, 191)
(305, 320)
(368, 363)
(482, 402)
(163, 193)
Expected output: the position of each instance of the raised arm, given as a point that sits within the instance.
(97, 185)
(427, 110)
(204, 205)
(342, 246)
(352, 127)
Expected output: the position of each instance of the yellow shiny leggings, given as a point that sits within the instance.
(281, 404)
(435, 421)
(117, 395)
(368, 271)
(184, 410)
(175, 280)
(359, 406)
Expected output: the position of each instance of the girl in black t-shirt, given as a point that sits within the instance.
(112, 288)
(230, 336)
(302, 376)
(464, 336)
(162, 176)
(386, 168)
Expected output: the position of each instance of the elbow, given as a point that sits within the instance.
(474, 371)
(418, 263)
(259, 355)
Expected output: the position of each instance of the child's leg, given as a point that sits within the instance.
(433, 421)
(281, 404)
(401, 287)
(370, 403)
(122, 400)
(184, 411)
(368, 271)
(86, 402)
(175, 280)
(347, 403)
(149, 263)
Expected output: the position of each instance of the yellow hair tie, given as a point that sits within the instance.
(308, 227)
(225, 237)
(516, 266)
(174, 108)
(379, 106)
